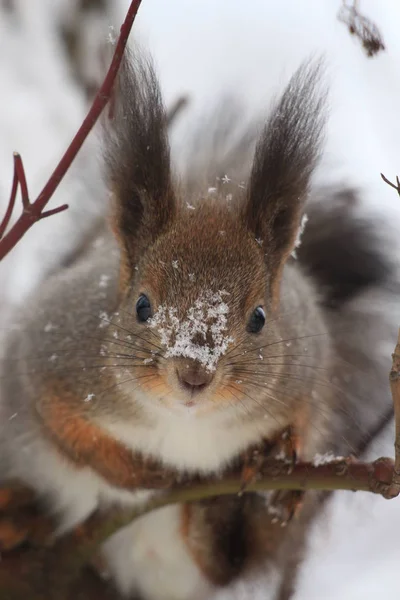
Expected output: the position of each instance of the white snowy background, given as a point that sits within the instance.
(206, 48)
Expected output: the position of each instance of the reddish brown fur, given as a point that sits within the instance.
(84, 444)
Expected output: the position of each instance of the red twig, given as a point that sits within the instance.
(11, 202)
(33, 212)
(20, 172)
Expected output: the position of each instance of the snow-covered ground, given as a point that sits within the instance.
(206, 48)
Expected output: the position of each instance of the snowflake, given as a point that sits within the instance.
(112, 36)
(89, 397)
(325, 459)
(104, 319)
(104, 279)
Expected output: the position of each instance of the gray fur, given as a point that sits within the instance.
(332, 356)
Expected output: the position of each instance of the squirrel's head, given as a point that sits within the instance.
(200, 277)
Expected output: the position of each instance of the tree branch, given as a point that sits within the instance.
(53, 568)
(33, 212)
(362, 28)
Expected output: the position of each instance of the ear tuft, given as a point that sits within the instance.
(137, 156)
(285, 157)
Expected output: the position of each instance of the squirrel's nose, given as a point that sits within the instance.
(194, 379)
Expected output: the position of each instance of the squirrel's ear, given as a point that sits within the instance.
(285, 157)
(138, 158)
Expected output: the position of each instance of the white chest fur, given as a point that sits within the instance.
(149, 556)
(190, 442)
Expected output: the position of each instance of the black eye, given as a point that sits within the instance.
(143, 308)
(257, 320)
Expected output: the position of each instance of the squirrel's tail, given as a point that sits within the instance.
(342, 250)
(349, 256)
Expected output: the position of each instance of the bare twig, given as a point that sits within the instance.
(394, 186)
(33, 212)
(394, 488)
(20, 171)
(175, 110)
(362, 28)
(11, 202)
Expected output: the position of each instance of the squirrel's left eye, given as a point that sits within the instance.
(257, 320)
(143, 308)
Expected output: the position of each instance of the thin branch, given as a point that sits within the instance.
(394, 488)
(339, 474)
(20, 172)
(394, 186)
(33, 211)
(11, 202)
(362, 28)
(53, 211)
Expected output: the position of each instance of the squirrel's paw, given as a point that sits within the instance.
(21, 520)
(286, 447)
(251, 461)
(284, 505)
(287, 504)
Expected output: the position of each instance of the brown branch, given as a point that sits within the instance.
(362, 28)
(55, 568)
(394, 489)
(11, 202)
(33, 212)
(395, 186)
(20, 172)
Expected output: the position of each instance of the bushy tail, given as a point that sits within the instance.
(341, 250)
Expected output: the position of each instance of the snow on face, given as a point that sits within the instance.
(206, 317)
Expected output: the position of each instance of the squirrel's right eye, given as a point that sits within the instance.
(143, 308)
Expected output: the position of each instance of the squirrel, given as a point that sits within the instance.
(189, 334)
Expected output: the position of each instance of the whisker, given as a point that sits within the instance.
(68, 355)
(302, 337)
(262, 406)
(267, 322)
(320, 408)
(281, 364)
(122, 382)
(285, 375)
(131, 333)
(80, 369)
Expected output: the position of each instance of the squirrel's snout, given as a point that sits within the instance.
(194, 379)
